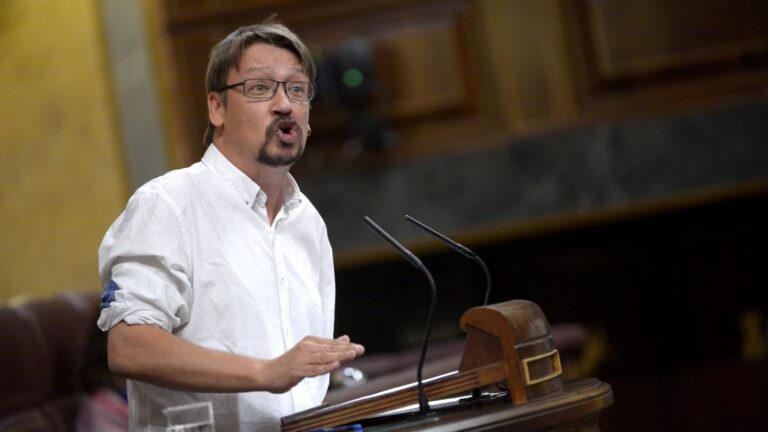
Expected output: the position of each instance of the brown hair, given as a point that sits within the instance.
(227, 53)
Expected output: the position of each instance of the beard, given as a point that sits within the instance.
(280, 158)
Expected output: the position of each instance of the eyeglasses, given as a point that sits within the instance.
(265, 89)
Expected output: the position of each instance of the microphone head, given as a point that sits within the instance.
(408, 255)
(458, 247)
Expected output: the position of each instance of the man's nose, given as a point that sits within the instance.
(280, 102)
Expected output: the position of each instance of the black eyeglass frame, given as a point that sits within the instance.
(312, 89)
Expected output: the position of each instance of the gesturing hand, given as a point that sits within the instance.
(312, 356)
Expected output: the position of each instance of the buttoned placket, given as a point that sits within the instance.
(284, 291)
(298, 398)
(278, 252)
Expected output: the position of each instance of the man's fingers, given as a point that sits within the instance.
(311, 370)
(326, 354)
(357, 349)
(344, 348)
(336, 348)
(332, 354)
(341, 343)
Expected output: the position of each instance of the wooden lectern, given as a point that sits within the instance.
(508, 347)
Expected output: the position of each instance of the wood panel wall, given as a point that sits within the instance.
(652, 54)
(459, 75)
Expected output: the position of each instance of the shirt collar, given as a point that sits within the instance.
(248, 190)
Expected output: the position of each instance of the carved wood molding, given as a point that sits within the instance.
(626, 44)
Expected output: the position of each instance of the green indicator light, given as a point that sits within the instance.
(352, 78)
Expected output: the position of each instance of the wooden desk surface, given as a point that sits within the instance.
(576, 409)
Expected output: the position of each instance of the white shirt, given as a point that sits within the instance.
(194, 254)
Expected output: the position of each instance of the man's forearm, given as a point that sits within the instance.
(148, 354)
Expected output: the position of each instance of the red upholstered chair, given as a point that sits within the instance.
(25, 370)
(65, 322)
(65, 330)
(42, 358)
(30, 420)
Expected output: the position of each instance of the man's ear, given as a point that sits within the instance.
(215, 109)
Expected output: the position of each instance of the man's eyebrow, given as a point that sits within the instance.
(258, 68)
(297, 69)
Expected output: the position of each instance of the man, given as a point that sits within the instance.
(218, 278)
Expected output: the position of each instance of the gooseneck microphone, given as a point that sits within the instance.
(416, 262)
(460, 249)
(477, 394)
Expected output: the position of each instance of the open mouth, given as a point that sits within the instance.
(287, 131)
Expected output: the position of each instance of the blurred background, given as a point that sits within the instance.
(607, 158)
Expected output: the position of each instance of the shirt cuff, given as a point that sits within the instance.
(116, 313)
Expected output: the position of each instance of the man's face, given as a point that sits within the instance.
(270, 132)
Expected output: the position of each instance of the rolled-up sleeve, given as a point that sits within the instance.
(144, 265)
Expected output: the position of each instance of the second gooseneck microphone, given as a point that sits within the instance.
(416, 262)
(477, 394)
(460, 249)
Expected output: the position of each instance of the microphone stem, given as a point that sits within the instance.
(423, 402)
(416, 262)
(487, 279)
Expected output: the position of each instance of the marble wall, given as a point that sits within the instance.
(569, 172)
